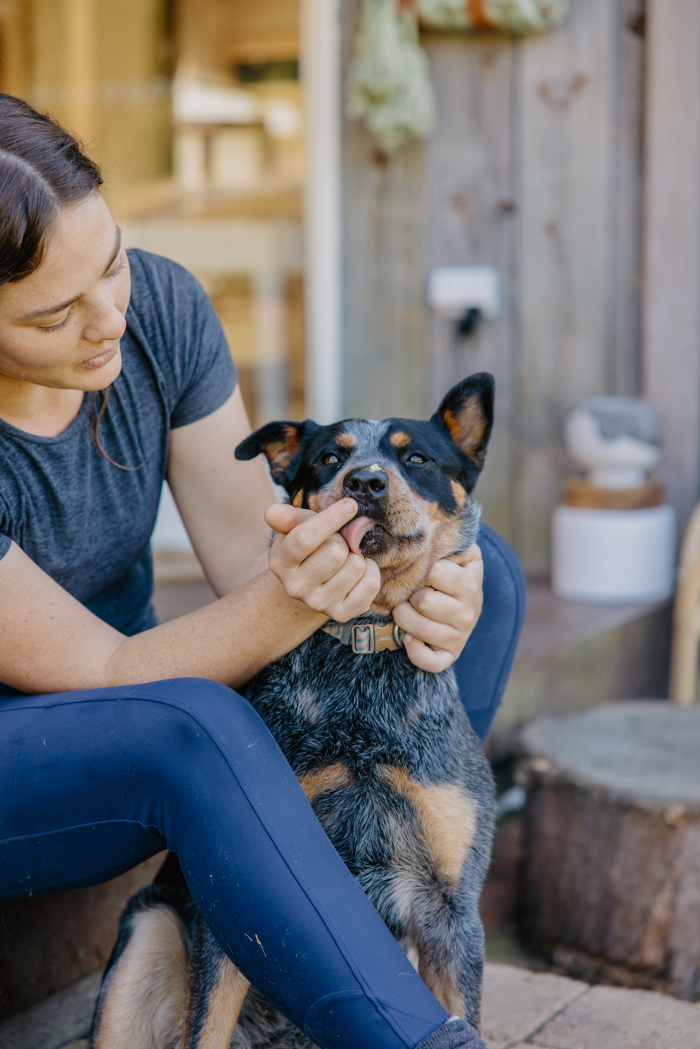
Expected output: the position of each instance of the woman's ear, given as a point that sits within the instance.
(467, 414)
(279, 441)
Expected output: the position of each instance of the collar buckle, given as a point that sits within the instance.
(363, 639)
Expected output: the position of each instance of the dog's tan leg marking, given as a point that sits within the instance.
(144, 1004)
(330, 778)
(223, 1007)
(441, 983)
(445, 814)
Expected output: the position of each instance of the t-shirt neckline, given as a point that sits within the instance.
(65, 435)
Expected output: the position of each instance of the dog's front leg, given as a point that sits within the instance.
(451, 962)
(215, 995)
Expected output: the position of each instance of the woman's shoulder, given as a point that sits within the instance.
(160, 284)
(171, 321)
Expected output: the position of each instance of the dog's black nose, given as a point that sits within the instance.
(367, 484)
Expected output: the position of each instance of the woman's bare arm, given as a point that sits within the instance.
(221, 500)
(49, 642)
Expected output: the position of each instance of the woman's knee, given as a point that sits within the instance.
(197, 723)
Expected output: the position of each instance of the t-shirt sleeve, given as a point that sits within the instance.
(180, 320)
(5, 544)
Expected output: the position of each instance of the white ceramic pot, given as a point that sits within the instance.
(623, 556)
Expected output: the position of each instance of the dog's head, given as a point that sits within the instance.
(412, 480)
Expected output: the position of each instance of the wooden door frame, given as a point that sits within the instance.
(321, 75)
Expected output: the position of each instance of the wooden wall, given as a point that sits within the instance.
(213, 36)
(535, 168)
(101, 69)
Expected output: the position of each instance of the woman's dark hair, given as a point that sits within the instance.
(42, 169)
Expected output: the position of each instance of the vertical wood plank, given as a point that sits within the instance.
(628, 41)
(383, 293)
(671, 359)
(321, 43)
(470, 220)
(80, 69)
(565, 100)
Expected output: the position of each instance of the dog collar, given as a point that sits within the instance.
(366, 638)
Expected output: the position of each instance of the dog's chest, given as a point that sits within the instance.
(387, 757)
(324, 704)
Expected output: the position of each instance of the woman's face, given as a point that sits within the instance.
(61, 326)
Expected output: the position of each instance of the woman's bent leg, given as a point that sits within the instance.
(484, 665)
(99, 780)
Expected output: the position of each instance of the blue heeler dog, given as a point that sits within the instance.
(384, 751)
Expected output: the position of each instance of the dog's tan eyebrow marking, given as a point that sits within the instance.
(400, 439)
(446, 815)
(458, 492)
(299, 498)
(331, 778)
(346, 441)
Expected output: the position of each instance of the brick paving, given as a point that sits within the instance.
(521, 1008)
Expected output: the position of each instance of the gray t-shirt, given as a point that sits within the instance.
(82, 519)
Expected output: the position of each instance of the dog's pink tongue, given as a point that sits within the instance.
(354, 532)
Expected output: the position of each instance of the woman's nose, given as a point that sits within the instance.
(106, 324)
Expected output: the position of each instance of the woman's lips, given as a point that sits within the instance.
(102, 358)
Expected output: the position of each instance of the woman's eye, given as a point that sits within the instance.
(417, 459)
(330, 460)
(119, 265)
(57, 327)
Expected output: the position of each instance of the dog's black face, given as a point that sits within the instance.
(412, 480)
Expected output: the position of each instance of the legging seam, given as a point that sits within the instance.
(56, 886)
(78, 826)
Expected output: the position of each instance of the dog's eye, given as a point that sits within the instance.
(417, 459)
(331, 459)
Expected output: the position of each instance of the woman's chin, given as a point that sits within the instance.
(99, 375)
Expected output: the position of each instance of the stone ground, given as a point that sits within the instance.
(521, 1008)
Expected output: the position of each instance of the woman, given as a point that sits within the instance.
(120, 737)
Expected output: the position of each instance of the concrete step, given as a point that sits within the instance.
(521, 1008)
(573, 655)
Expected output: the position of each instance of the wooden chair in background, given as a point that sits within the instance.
(686, 618)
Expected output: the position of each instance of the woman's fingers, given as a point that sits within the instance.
(432, 660)
(443, 614)
(304, 531)
(441, 635)
(361, 596)
(314, 563)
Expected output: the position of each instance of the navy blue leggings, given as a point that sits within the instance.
(93, 782)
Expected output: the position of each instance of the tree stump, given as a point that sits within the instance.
(612, 843)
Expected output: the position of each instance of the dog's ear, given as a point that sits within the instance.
(467, 414)
(281, 442)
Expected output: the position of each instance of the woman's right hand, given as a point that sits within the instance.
(314, 563)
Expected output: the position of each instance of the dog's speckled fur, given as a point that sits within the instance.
(384, 750)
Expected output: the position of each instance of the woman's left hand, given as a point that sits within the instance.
(439, 619)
